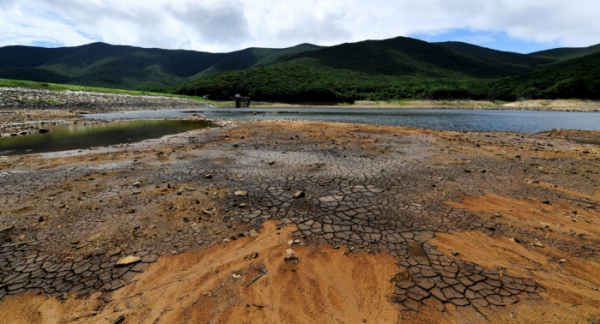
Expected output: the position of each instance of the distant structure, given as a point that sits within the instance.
(241, 101)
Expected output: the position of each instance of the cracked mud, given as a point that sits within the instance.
(67, 218)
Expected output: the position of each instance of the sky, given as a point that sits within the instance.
(522, 26)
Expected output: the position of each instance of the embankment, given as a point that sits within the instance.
(19, 98)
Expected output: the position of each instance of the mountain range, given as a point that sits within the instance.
(370, 70)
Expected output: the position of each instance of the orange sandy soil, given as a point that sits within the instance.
(323, 286)
(570, 279)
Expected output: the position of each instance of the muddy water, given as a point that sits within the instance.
(72, 137)
(444, 119)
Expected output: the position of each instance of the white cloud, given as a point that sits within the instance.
(224, 25)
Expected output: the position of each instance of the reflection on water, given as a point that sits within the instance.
(522, 121)
(71, 137)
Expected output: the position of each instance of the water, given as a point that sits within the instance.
(72, 137)
(522, 121)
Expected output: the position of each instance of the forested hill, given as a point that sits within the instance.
(395, 68)
(127, 67)
(406, 68)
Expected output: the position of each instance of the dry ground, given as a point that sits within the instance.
(387, 225)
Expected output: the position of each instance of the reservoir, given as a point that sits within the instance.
(522, 121)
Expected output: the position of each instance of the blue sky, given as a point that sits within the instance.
(494, 40)
(522, 26)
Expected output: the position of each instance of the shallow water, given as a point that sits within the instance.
(472, 120)
(72, 137)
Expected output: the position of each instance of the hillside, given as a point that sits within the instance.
(127, 67)
(576, 78)
(407, 56)
(399, 69)
(528, 61)
(395, 68)
(568, 52)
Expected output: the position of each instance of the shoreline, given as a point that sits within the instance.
(573, 105)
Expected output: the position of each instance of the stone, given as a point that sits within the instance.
(43, 131)
(127, 261)
(113, 252)
(241, 193)
(7, 228)
(289, 252)
(299, 194)
(253, 234)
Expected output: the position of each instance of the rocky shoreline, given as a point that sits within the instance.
(33, 99)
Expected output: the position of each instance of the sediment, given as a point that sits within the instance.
(441, 226)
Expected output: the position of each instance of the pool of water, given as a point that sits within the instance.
(72, 137)
(472, 120)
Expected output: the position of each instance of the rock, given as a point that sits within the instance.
(128, 260)
(118, 320)
(299, 194)
(538, 244)
(208, 176)
(272, 162)
(289, 252)
(7, 228)
(43, 130)
(23, 133)
(241, 193)
(454, 253)
(562, 261)
(547, 202)
(253, 234)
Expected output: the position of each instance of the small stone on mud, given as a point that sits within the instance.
(208, 176)
(289, 252)
(111, 252)
(299, 194)
(253, 234)
(562, 261)
(128, 260)
(538, 244)
(454, 253)
(241, 193)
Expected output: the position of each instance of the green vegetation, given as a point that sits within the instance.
(126, 67)
(528, 61)
(65, 87)
(382, 71)
(567, 53)
(404, 68)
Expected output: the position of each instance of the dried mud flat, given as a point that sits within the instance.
(305, 222)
